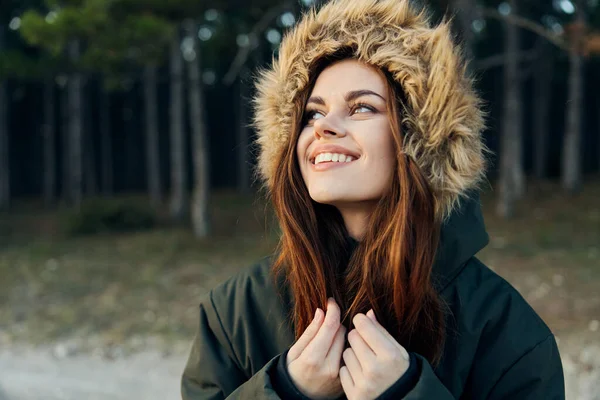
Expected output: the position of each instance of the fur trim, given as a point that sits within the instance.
(444, 119)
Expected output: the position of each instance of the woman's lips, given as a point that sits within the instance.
(325, 166)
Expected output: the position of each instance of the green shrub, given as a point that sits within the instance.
(109, 215)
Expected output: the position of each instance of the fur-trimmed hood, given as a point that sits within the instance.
(444, 120)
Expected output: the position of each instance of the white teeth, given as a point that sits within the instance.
(333, 157)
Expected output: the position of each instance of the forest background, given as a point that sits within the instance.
(126, 165)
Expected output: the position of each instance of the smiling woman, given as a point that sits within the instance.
(370, 144)
(342, 118)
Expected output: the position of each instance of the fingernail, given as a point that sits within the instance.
(330, 302)
(317, 314)
(371, 315)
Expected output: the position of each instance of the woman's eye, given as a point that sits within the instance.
(312, 115)
(361, 109)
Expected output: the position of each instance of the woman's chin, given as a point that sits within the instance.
(332, 198)
(324, 197)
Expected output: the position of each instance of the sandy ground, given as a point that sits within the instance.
(26, 374)
(41, 374)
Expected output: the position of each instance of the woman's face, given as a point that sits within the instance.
(345, 148)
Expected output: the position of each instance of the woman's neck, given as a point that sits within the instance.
(356, 217)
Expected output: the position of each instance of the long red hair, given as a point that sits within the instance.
(390, 270)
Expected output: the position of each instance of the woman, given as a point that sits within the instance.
(370, 147)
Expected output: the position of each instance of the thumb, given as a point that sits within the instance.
(371, 315)
(306, 337)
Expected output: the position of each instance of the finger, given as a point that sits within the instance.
(306, 337)
(352, 363)
(346, 381)
(372, 335)
(335, 352)
(319, 346)
(371, 315)
(363, 352)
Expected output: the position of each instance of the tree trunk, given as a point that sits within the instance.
(465, 18)
(89, 151)
(179, 194)
(512, 180)
(4, 142)
(152, 145)
(75, 130)
(541, 103)
(243, 135)
(49, 135)
(128, 113)
(106, 143)
(201, 194)
(571, 158)
(4, 153)
(65, 121)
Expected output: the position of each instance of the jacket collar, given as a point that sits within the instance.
(462, 236)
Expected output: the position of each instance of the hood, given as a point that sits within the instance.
(462, 236)
(443, 119)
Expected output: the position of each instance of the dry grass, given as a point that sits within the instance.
(118, 287)
(551, 253)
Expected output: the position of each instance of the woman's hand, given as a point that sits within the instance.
(374, 360)
(313, 362)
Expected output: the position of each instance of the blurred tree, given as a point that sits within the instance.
(152, 153)
(179, 205)
(542, 81)
(466, 13)
(49, 135)
(174, 13)
(15, 63)
(129, 41)
(90, 180)
(512, 177)
(4, 152)
(190, 13)
(106, 162)
(243, 131)
(117, 47)
(133, 40)
(142, 40)
(75, 141)
(577, 42)
(248, 57)
(201, 191)
(107, 42)
(572, 149)
(60, 33)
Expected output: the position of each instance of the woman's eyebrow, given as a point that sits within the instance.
(352, 95)
(316, 100)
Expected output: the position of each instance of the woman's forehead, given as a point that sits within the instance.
(346, 76)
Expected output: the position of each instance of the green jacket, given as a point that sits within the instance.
(497, 347)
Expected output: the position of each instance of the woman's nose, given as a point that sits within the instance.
(328, 126)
